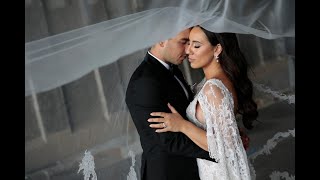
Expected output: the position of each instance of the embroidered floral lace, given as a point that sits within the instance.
(224, 142)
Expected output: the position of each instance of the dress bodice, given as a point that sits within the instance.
(191, 109)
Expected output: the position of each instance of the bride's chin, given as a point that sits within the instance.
(193, 66)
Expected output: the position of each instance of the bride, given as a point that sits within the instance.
(225, 91)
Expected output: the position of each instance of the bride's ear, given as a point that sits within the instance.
(217, 50)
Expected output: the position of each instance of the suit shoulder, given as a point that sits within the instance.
(144, 69)
(143, 83)
(144, 72)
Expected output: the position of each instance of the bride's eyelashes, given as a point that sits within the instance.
(196, 44)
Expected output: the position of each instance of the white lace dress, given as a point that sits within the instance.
(224, 142)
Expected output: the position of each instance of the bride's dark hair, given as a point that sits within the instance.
(235, 65)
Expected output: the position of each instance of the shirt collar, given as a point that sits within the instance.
(162, 62)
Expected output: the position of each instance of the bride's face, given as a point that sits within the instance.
(200, 51)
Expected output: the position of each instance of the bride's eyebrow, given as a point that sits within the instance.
(196, 41)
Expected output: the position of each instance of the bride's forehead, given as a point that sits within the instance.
(196, 31)
(198, 35)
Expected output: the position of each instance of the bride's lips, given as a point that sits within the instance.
(190, 60)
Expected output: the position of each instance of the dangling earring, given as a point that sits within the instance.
(217, 58)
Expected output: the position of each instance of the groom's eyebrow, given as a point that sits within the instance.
(184, 40)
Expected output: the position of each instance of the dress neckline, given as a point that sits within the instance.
(195, 101)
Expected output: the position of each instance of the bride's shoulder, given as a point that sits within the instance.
(213, 84)
(214, 81)
(210, 86)
(215, 87)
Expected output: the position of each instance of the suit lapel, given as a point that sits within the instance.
(185, 84)
(159, 68)
(163, 72)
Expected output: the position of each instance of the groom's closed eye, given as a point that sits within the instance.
(184, 41)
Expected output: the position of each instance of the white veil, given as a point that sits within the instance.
(80, 54)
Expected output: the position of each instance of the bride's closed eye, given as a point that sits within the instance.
(196, 44)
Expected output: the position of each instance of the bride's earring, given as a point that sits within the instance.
(217, 58)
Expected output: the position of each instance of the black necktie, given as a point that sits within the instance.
(176, 72)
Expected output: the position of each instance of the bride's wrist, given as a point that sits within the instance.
(185, 126)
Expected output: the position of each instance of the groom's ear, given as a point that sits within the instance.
(164, 43)
(161, 43)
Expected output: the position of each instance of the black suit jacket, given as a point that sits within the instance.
(170, 155)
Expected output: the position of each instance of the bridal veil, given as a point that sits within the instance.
(80, 54)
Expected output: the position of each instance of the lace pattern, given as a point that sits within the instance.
(224, 142)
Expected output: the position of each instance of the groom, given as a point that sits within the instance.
(157, 81)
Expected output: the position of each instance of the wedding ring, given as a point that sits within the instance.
(164, 125)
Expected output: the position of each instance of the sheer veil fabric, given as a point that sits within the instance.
(105, 42)
(80, 54)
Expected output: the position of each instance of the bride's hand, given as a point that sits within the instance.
(167, 121)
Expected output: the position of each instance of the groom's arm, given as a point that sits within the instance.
(146, 97)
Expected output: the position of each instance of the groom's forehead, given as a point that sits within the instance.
(183, 34)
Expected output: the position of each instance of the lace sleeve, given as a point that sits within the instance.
(224, 142)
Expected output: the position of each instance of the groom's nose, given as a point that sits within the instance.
(187, 49)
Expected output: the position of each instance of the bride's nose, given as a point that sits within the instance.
(188, 49)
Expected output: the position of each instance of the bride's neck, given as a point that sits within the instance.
(213, 72)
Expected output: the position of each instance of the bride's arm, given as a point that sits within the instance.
(174, 122)
(196, 134)
(224, 142)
